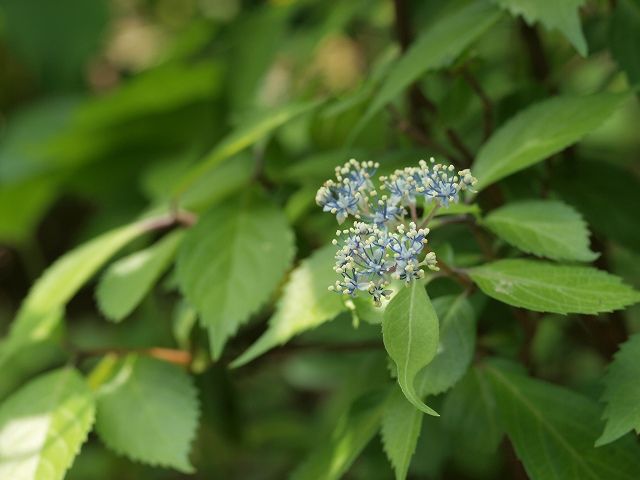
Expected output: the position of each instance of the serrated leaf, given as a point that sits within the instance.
(457, 333)
(438, 47)
(42, 309)
(546, 228)
(545, 287)
(540, 131)
(305, 304)
(243, 137)
(624, 36)
(231, 262)
(553, 430)
(622, 393)
(147, 410)
(469, 408)
(127, 281)
(562, 16)
(401, 425)
(43, 425)
(353, 431)
(410, 335)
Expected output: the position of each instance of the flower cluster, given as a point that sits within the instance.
(370, 256)
(379, 247)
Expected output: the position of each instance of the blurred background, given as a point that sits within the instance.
(105, 103)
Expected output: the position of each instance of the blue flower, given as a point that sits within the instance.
(346, 196)
(379, 247)
(385, 211)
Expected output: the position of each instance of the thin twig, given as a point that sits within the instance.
(414, 212)
(430, 216)
(487, 105)
(419, 137)
(174, 218)
(459, 145)
(177, 357)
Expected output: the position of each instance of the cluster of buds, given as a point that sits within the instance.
(370, 257)
(380, 247)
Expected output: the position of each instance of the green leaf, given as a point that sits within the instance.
(553, 429)
(622, 393)
(401, 426)
(42, 309)
(562, 16)
(43, 425)
(624, 35)
(457, 343)
(231, 262)
(540, 131)
(147, 410)
(545, 287)
(353, 431)
(436, 48)
(305, 304)
(410, 335)
(244, 137)
(606, 195)
(470, 407)
(127, 281)
(546, 228)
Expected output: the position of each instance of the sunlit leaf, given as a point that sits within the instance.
(43, 425)
(231, 262)
(541, 130)
(147, 410)
(546, 228)
(305, 304)
(545, 287)
(410, 335)
(42, 309)
(127, 281)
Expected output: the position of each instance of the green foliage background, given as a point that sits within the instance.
(163, 266)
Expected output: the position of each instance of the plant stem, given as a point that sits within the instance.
(177, 357)
(430, 216)
(487, 105)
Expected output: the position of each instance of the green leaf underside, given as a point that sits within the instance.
(546, 287)
(545, 228)
(42, 309)
(243, 137)
(438, 47)
(43, 425)
(148, 410)
(541, 130)
(563, 16)
(553, 431)
(231, 262)
(401, 425)
(457, 332)
(410, 335)
(622, 393)
(127, 281)
(469, 408)
(305, 304)
(353, 431)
